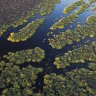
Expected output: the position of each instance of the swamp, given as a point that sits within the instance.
(48, 48)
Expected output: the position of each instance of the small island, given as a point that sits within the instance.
(64, 21)
(73, 6)
(25, 32)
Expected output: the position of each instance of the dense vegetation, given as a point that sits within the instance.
(20, 81)
(83, 7)
(16, 81)
(26, 72)
(26, 32)
(79, 55)
(73, 6)
(64, 21)
(64, 38)
(29, 55)
(48, 6)
(79, 82)
(17, 12)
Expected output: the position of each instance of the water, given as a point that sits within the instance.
(41, 35)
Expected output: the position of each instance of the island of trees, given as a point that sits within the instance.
(64, 38)
(79, 55)
(26, 32)
(73, 6)
(64, 21)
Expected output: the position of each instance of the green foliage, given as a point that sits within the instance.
(73, 6)
(16, 81)
(64, 21)
(20, 81)
(83, 7)
(64, 38)
(30, 55)
(26, 32)
(79, 82)
(78, 55)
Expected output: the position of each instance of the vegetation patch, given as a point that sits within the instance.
(94, 9)
(64, 38)
(26, 32)
(73, 6)
(83, 7)
(92, 1)
(16, 81)
(64, 21)
(79, 82)
(80, 55)
(30, 55)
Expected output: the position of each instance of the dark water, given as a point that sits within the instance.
(40, 39)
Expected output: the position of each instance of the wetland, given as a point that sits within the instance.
(48, 48)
